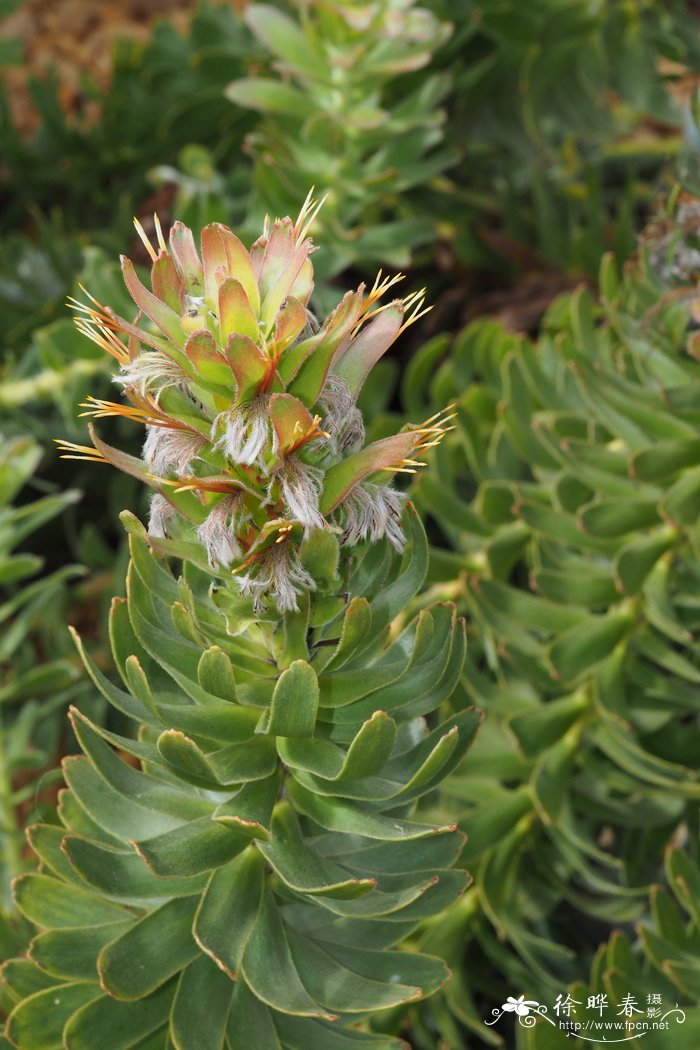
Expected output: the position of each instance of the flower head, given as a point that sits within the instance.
(250, 410)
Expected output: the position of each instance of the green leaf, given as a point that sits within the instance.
(616, 517)
(269, 969)
(253, 759)
(195, 847)
(665, 459)
(21, 978)
(294, 702)
(584, 646)
(116, 1025)
(215, 674)
(684, 877)
(72, 953)
(147, 955)
(319, 553)
(541, 726)
(123, 874)
(284, 38)
(339, 986)
(637, 558)
(229, 908)
(201, 1006)
(551, 777)
(250, 1022)
(368, 753)
(337, 815)
(490, 822)
(37, 1022)
(302, 870)
(681, 503)
(300, 1033)
(52, 904)
(268, 96)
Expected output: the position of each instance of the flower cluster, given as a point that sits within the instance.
(253, 435)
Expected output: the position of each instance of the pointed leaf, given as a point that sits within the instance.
(248, 364)
(290, 420)
(184, 249)
(368, 347)
(162, 315)
(166, 283)
(384, 455)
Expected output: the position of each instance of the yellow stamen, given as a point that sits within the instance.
(309, 210)
(69, 450)
(159, 234)
(146, 243)
(104, 337)
(191, 483)
(311, 432)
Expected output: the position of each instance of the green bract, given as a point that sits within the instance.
(247, 877)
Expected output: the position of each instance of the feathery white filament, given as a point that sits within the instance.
(342, 419)
(165, 450)
(151, 370)
(246, 432)
(159, 514)
(372, 512)
(278, 574)
(301, 487)
(217, 533)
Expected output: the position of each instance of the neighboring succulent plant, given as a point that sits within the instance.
(281, 691)
(569, 495)
(659, 965)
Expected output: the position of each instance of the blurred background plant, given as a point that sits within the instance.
(39, 676)
(496, 150)
(564, 514)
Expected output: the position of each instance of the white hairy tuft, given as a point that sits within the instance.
(246, 432)
(152, 370)
(165, 450)
(301, 486)
(342, 419)
(278, 574)
(160, 513)
(373, 512)
(217, 533)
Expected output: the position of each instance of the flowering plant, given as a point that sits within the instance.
(247, 876)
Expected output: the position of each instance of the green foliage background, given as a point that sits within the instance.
(471, 146)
